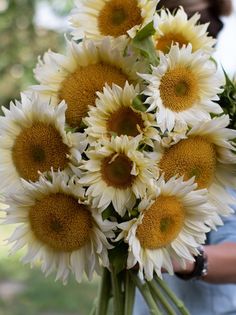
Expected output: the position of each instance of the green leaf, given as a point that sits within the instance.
(144, 43)
(134, 213)
(109, 212)
(227, 79)
(228, 100)
(145, 32)
(82, 125)
(118, 257)
(71, 129)
(138, 104)
(147, 49)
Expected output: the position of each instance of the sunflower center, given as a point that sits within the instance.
(60, 222)
(179, 89)
(39, 148)
(116, 171)
(119, 16)
(164, 42)
(79, 88)
(125, 122)
(191, 157)
(38, 153)
(161, 223)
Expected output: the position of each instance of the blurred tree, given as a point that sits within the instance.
(21, 41)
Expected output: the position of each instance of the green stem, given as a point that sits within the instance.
(144, 289)
(104, 293)
(129, 294)
(160, 296)
(177, 302)
(117, 294)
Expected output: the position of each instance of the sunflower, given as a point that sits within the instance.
(58, 228)
(178, 29)
(174, 136)
(33, 139)
(171, 226)
(116, 172)
(77, 76)
(183, 87)
(208, 154)
(98, 18)
(114, 114)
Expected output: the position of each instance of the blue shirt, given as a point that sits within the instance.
(202, 298)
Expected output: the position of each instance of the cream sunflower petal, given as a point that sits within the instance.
(98, 18)
(114, 180)
(181, 87)
(181, 250)
(81, 73)
(114, 114)
(33, 139)
(79, 248)
(145, 235)
(178, 29)
(212, 164)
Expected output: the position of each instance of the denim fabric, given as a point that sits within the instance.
(202, 298)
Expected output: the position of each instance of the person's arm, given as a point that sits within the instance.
(221, 263)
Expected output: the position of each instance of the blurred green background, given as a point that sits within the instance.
(27, 29)
(25, 291)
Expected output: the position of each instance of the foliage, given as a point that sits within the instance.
(228, 100)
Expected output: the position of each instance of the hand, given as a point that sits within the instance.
(189, 267)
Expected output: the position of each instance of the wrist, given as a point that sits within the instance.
(190, 265)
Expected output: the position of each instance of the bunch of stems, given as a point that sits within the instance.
(116, 295)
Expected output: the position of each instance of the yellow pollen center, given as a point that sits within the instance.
(116, 171)
(119, 16)
(125, 122)
(164, 42)
(79, 88)
(195, 156)
(179, 89)
(39, 148)
(60, 222)
(161, 223)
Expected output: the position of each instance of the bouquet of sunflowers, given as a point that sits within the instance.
(117, 162)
